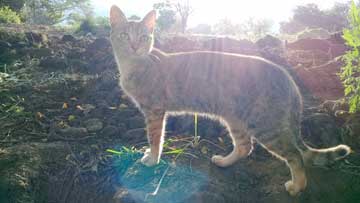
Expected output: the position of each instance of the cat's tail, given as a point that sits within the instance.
(323, 157)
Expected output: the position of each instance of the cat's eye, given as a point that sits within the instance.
(124, 36)
(144, 38)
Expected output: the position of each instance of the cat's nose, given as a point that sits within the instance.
(134, 47)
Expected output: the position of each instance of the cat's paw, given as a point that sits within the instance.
(148, 159)
(292, 188)
(218, 160)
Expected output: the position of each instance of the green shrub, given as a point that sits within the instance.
(12, 36)
(93, 25)
(9, 16)
(87, 25)
(350, 72)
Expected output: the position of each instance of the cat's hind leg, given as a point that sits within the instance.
(242, 145)
(283, 148)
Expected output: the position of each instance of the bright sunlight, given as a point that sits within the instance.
(180, 101)
(210, 12)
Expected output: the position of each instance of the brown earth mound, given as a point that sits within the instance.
(317, 64)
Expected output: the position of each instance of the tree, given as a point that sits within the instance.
(184, 9)
(254, 29)
(15, 5)
(51, 12)
(227, 27)
(167, 15)
(168, 12)
(134, 17)
(251, 29)
(9, 16)
(309, 15)
(291, 27)
(201, 29)
(350, 73)
(339, 16)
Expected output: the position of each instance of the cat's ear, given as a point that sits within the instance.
(117, 17)
(150, 20)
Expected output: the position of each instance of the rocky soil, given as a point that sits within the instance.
(61, 109)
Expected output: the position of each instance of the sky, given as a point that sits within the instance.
(211, 11)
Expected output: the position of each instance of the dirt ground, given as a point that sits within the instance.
(62, 109)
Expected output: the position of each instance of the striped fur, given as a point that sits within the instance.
(253, 97)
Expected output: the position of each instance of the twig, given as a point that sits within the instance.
(192, 155)
(158, 185)
(216, 145)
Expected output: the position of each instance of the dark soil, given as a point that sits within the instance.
(61, 108)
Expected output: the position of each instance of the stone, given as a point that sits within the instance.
(135, 122)
(68, 38)
(74, 132)
(123, 195)
(109, 131)
(99, 44)
(127, 112)
(135, 135)
(93, 125)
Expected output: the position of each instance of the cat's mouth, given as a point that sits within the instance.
(138, 52)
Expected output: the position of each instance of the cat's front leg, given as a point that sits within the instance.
(155, 123)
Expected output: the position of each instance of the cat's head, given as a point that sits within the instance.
(131, 38)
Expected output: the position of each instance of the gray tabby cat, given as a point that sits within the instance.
(254, 98)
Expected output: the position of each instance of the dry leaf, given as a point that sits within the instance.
(123, 106)
(80, 108)
(71, 118)
(61, 124)
(221, 140)
(39, 115)
(204, 150)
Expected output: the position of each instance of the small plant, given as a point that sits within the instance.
(350, 73)
(124, 151)
(9, 16)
